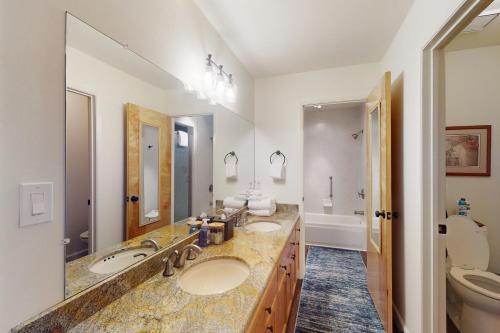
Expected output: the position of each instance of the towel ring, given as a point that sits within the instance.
(233, 154)
(277, 153)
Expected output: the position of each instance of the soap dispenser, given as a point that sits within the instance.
(203, 236)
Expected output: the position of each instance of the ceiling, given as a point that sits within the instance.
(490, 36)
(83, 37)
(289, 36)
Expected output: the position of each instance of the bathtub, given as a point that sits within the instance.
(340, 231)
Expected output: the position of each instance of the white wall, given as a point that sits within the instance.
(279, 123)
(472, 85)
(112, 89)
(404, 59)
(279, 105)
(233, 133)
(172, 33)
(342, 159)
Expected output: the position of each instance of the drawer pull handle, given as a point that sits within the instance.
(284, 267)
(288, 274)
(298, 229)
(270, 328)
(269, 310)
(293, 257)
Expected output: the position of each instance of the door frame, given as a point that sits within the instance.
(93, 168)
(433, 165)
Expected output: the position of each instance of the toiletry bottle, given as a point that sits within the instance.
(203, 236)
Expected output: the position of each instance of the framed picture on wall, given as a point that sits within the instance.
(468, 150)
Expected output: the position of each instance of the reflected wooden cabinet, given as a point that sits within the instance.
(271, 315)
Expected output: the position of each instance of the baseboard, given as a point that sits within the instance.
(398, 320)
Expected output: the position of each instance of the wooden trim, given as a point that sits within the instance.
(433, 176)
(487, 173)
(379, 260)
(135, 117)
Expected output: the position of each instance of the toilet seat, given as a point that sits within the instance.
(460, 275)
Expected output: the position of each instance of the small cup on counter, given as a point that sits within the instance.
(216, 233)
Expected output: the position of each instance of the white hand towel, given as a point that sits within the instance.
(182, 139)
(277, 170)
(231, 202)
(231, 170)
(266, 203)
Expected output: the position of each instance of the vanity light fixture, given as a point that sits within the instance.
(217, 82)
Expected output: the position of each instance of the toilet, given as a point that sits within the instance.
(474, 300)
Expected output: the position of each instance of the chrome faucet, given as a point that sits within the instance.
(242, 219)
(152, 243)
(187, 250)
(169, 263)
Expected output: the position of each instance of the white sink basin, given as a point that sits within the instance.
(263, 226)
(119, 260)
(214, 276)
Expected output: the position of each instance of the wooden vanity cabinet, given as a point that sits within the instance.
(271, 315)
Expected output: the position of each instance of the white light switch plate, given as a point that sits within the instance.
(35, 203)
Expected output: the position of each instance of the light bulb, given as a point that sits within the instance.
(231, 90)
(208, 80)
(201, 95)
(189, 88)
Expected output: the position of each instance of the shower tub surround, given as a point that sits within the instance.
(159, 305)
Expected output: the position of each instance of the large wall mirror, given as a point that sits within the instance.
(142, 155)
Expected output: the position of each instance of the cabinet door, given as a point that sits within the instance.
(263, 318)
(281, 313)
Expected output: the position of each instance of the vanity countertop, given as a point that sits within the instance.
(160, 305)
(78, 275)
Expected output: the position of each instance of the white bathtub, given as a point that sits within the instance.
(340, 231)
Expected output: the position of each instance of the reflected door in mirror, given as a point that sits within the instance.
(148, 141)
(79, 233)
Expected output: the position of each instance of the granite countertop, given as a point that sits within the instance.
(78, 275)
(159, 305)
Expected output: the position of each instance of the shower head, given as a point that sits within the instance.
(356, 135)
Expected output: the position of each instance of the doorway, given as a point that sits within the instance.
(193, 165)
(80, 200)
(440, 157)
(343, 229)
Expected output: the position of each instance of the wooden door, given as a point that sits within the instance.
(379, 214)
(148, 174)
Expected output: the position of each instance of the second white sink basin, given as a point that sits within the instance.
(263, 226)
(119, 260)
(214, 276)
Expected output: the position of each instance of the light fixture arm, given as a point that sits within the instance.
(211, 62)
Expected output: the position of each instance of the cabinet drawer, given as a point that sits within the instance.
(264, 313)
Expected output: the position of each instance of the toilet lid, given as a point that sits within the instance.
(466, 243)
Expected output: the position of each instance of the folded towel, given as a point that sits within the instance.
(261, 204)
(231, 170)
(263, 212)
(231, 202)
(229, 211)
(277, 170)
(182, 139)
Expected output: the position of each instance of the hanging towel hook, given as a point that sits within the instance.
(233, 154)
(277, 153)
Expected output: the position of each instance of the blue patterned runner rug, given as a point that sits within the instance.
(335, 295)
